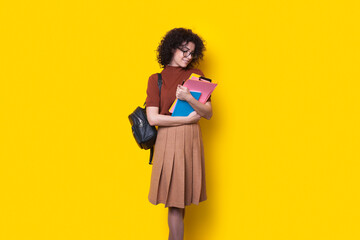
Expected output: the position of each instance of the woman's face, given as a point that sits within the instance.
(183, 55)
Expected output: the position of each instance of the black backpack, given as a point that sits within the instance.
(144, 133)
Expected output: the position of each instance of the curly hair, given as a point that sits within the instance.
(174, 39)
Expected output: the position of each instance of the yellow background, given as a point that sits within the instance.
(282, 148)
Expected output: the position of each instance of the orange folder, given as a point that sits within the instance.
(194, 84)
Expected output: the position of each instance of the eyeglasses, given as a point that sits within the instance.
(186, 53)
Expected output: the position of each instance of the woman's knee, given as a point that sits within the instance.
(176, 211)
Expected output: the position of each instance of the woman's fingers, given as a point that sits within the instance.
(181, 92)
(194, 116)
(183, 88)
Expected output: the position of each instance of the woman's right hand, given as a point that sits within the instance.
(193, 117)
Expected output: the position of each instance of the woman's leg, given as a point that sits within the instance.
(176, 223)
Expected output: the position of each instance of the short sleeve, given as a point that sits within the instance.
(153, 98)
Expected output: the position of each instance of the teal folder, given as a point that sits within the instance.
(183, 108)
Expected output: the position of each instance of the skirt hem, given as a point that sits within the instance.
(177, 205)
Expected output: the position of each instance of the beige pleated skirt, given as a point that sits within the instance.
(178, 171)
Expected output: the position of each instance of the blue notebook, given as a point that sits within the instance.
(183, 108)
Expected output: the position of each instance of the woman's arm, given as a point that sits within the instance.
(203, 109)
(156, 119)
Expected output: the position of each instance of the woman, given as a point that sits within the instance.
(178, 173)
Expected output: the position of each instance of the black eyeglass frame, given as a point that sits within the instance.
(185, 51)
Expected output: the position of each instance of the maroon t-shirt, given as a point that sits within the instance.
(171, 78)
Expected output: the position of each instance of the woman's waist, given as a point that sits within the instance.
(181, 126)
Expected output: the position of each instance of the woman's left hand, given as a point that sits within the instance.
(183, 93)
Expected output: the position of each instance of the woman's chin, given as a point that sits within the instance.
(184, 65)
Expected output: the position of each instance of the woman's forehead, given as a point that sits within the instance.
(189, 45)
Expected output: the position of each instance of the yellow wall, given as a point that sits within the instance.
(282, 149)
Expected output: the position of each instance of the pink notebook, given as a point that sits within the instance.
(205, 87)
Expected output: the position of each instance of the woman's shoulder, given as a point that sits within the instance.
(197, 71)
(153, 77)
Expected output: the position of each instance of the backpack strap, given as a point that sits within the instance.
(159, 84)
(151, 155)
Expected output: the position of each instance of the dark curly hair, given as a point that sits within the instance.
(174, 39)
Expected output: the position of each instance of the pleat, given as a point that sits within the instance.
(166, 173)
(188, 164)
(203, 195)
(158, 160)
(176, 190)
(197, 174)
(178, 174)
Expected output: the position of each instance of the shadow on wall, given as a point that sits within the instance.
(201, 218)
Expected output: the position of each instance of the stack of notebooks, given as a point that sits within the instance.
(200, 88)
